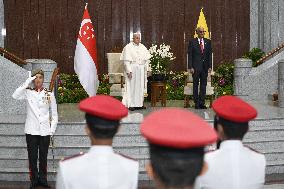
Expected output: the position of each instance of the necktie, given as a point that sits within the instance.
(201, 46)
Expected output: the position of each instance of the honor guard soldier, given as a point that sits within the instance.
(176, 147)
(39, 126)
(101, 167)
(233, 166)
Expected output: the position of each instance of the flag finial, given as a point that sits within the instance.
(86, 5)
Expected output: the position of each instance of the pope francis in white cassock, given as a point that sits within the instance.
(135, 57)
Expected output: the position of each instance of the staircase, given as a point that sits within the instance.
(261, 82)
(70, 139)
(265, 135)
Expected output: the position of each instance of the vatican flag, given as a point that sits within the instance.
(202, 23)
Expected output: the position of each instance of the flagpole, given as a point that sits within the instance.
(86, 5)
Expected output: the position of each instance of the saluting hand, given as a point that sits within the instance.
(29, 80)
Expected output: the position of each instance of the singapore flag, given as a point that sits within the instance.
(85, 59)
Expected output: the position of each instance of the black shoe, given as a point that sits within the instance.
(43, 184)
(131, 108)
(33, 185)
(203, 107)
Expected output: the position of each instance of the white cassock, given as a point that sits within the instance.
(136, 60)
(233, 166)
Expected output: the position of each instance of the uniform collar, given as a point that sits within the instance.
(101, 149)
(231, 144)
(39, 90)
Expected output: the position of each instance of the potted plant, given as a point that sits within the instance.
(254, 54)
(160, 60)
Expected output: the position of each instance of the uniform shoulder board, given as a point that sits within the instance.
(210, 151)
(253, 149)
(127, 157)
(74, 156)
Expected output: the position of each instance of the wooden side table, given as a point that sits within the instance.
(158, 91)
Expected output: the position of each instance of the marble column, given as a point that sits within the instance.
(266, 24)
(254, 23)
(241, 71)
(281, 83)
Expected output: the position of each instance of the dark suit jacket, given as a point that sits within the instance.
(197, 60)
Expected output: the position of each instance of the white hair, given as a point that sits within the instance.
(136, 33)
(199, 28)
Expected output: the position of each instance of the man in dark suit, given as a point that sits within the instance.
(199, 64)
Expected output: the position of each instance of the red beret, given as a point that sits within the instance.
(103, 106)
(177, 128)
(234, 109)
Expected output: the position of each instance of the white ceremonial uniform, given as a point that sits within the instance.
(136, 61)
(233, 166)
(100, 168)
(38, 104)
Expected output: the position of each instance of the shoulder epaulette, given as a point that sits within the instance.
(210, 151)
(30, 88)
(74, 156)
(125, 156)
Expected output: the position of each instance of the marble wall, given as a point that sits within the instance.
(266, 24)
(11, 76)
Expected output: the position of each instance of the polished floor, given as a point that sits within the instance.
(71, 113)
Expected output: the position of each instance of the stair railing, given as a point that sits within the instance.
(10, 56)
(270, 54)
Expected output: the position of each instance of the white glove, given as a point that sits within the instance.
(29, 80)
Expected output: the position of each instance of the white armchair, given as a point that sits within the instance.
(115, 72)
(188, 89)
